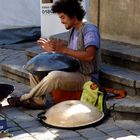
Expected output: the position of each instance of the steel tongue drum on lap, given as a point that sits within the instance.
(45, 62)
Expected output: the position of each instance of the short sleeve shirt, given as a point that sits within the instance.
(91, 36)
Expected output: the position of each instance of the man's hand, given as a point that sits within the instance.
(45, 44)
(58, 45)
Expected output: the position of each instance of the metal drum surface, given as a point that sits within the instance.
(45, 62)
(72, 114)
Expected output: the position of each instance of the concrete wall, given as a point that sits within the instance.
(117, 19)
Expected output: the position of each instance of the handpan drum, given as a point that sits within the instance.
(71, 114)
(45, 62)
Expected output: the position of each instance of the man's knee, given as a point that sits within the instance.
(53, 79)
(53, 76)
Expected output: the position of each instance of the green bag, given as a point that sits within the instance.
(91, 94)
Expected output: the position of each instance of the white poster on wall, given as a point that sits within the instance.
(50, 22)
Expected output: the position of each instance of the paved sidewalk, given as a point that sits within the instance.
(23, 124)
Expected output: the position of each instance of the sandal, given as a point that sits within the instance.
(14, 101)
(31, 104)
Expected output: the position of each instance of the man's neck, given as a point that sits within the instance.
(78, 24)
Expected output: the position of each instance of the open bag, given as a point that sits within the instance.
(93, 94)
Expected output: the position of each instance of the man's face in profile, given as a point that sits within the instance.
(67, 21)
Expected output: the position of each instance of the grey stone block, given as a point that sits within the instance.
(128, 124)
(120, 75)
(117, 134)
(91, 133)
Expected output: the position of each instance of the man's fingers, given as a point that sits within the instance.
(40, 41)
(45, 40)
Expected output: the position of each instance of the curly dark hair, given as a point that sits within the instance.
(69, 7)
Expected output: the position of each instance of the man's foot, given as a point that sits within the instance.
(14, 101)
(32, 103)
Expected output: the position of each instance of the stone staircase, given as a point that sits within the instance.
(120, 70)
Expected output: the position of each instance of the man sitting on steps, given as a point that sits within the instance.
(84, 45)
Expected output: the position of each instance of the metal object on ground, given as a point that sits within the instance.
(72, 114)
(3, 127)
(45, 62)
(5, 90)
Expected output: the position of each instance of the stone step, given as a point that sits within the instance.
(12, 67)
(126, 108)
(120, 78)
(15, 72)
(119, 54)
